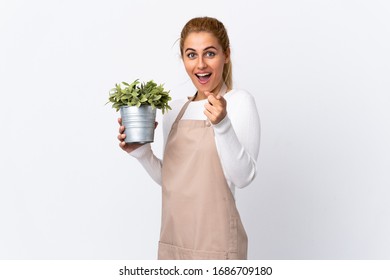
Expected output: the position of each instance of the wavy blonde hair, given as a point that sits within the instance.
(215, 27)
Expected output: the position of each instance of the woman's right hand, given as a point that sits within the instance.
(127, 147)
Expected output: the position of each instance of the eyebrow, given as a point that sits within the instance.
(209, 47)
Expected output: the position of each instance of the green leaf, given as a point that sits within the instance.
(137, 93)
(143, 99)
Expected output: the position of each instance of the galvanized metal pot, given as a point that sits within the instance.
(139, 123)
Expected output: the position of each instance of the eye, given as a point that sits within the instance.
(210, 54)
(191, 55)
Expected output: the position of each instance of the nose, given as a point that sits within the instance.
(201, 63)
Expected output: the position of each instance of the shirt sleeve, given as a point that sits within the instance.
(151, 163)
(238, 140)
(145, 155)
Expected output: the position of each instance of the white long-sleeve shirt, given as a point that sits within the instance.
(237, 138)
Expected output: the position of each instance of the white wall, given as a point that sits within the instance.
(319, 71)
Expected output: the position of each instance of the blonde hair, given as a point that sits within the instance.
(215, 27)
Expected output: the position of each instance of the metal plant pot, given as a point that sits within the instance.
(139, 123)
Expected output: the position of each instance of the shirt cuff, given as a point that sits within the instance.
(141, 151)
(223, 126)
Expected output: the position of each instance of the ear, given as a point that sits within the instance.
(227, 55)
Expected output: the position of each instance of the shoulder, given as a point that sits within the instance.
(241, 108)
(240, 97)
(241, 94)
(176, 105)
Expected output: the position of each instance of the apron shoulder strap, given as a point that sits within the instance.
(183, 109)
(180, 115)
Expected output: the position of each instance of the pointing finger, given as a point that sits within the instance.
(215, 100)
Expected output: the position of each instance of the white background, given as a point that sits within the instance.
(319, 71)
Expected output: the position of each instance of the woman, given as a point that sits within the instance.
(209, 150)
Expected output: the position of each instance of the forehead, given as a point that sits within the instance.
(200, 40)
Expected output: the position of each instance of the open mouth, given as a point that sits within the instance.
(203, 77)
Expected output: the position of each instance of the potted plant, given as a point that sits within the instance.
(137, 103)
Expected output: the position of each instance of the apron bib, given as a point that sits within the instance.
(199, 215)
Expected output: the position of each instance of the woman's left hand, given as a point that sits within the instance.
(215, 109)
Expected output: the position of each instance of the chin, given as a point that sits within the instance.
(203, 88)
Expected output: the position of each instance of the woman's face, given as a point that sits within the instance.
(204, 60)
